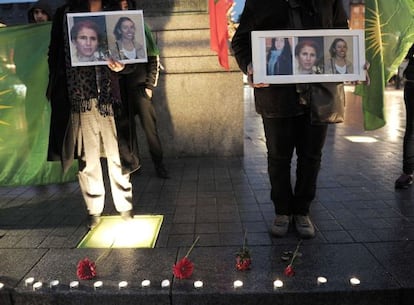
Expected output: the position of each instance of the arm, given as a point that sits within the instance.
(241, 42)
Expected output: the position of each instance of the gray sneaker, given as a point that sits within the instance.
(304, 226)
(280, 225)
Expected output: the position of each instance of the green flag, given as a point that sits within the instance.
(24, 109)
(389, 32)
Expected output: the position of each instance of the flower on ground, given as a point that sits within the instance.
(289, 270)
(184, 268)
(243, 258)
(86, 269)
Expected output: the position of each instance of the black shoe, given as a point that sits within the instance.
(127, 215)
(94, 221)
(162, 171)
(404, 181)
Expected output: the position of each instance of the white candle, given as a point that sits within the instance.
(122, 285)
(322, 280)
(165, 283)
(1, 286)
(237, 284)
(54, 284)
(145, 283)
(29, 281)
(354, 281)
(37, 285)
(97, 284)
(74, 285)
(198, 284)
(277, 284)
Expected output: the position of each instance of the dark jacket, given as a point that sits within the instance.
(61, 143)
(43, 5)
(262, 15)
(409, 70)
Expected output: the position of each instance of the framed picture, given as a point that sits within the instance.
(308, 56)
(95, 37)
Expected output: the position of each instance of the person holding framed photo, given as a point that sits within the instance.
(286, 118)
(87, 120)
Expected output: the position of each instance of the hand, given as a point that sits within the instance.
(115, 66)
(250, 78)
(148, 92)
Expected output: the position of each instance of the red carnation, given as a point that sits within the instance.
(243, 259)
(243, 263)
(183, 269)
(86, 269)
(289, 271)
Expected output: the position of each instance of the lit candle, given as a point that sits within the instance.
(277, 284)
(54, 284)
(322, 280)
(74, 285)
(354, 281)
(165, 283)
(97, 284)
(145, 283)
(122, 285)
(1, 286)
(37, 285)
(29, 281)
(237, 284)
(198, 284)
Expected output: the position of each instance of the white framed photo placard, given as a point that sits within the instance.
(95, 37)
(308, 56)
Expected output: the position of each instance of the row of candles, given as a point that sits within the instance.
(164, 284)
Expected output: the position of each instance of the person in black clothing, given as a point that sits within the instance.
(137, 83)
(286, 118)
(39, 12)
(406, 178)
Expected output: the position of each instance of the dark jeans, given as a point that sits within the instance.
(144, 108)
(408, 144)
(283, 136)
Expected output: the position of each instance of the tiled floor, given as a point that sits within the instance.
(219, 199)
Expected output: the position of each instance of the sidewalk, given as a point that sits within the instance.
(365, 228)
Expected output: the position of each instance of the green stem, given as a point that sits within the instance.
(295, 253)
(245, 240)
(192, 246)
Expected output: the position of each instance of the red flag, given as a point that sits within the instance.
(218, 29)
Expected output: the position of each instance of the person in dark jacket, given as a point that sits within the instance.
(406, 178)
(286, 119)
(88, 119)
(137, 84)
(40, 12)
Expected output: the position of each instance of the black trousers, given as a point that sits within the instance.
(143, 107)
(408, 144)
(283, 137)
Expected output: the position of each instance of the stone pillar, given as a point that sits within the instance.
(199, 105)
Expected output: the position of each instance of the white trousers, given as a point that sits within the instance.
(97, 135)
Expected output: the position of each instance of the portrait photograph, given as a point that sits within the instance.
(96, 37)
(306, 56)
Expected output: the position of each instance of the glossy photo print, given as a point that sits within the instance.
(308, 56)
(96, 37)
